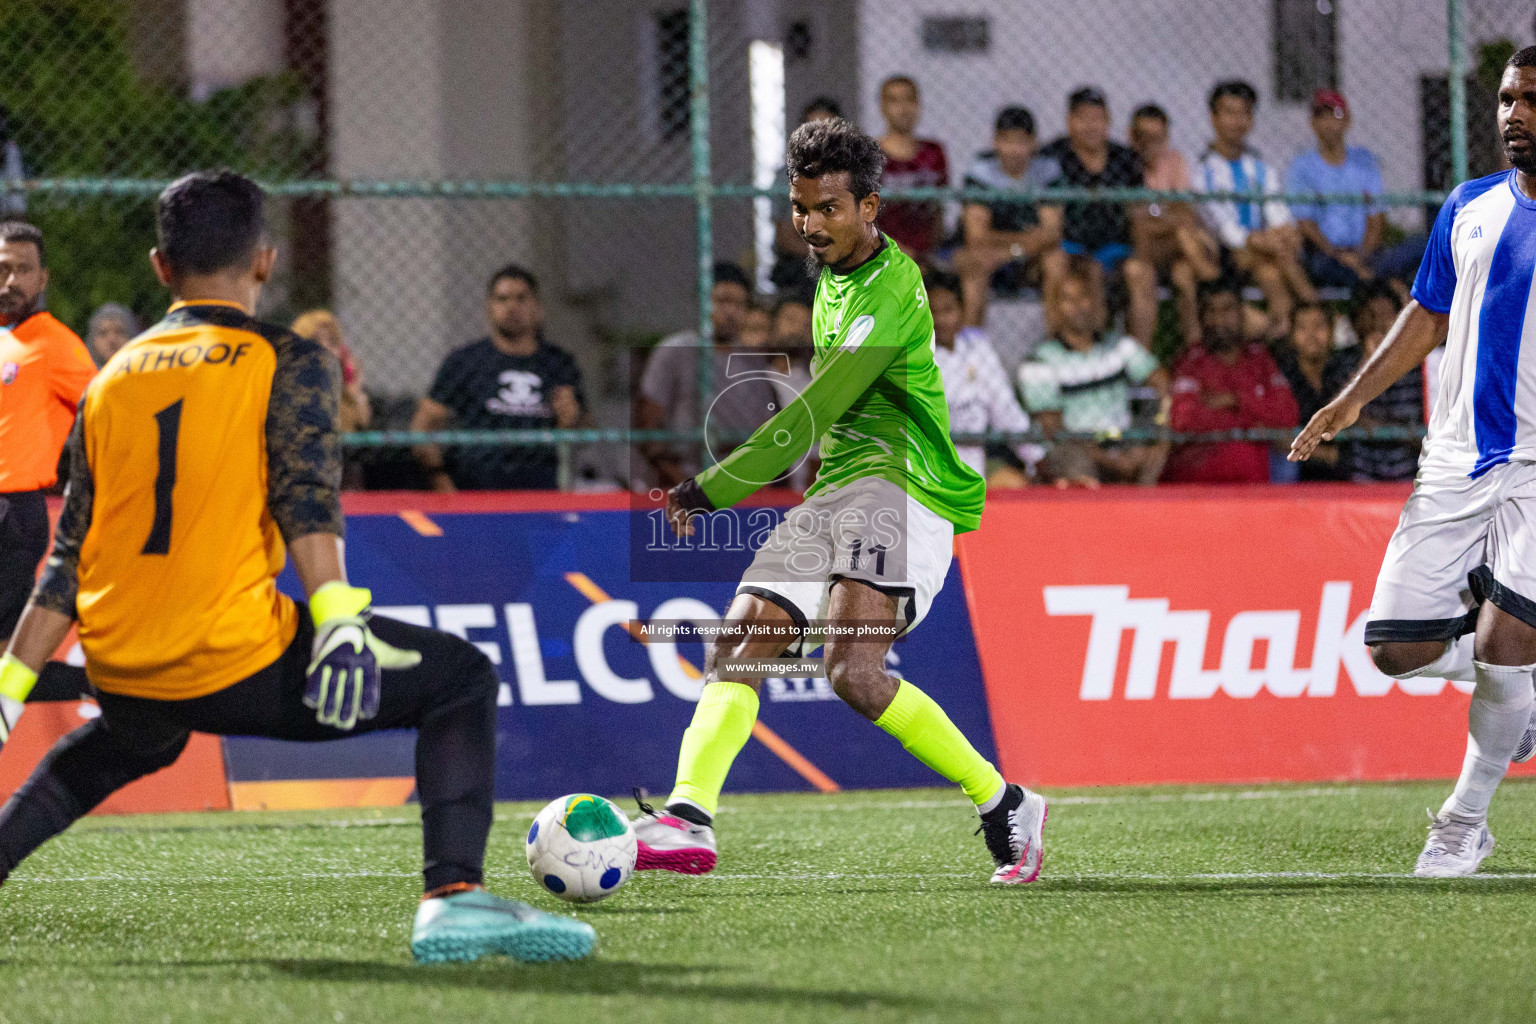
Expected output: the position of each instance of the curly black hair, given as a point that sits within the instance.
(835, 146)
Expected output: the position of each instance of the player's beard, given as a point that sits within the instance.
(15, 306)
(1524, 161)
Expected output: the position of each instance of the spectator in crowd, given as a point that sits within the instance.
(1341, 239)
(790, 345)
(1080, 380)
(512, 379)
(1227, 383)
(1007, 241)
(975, 386)
(1088, 159)
(756, 326)
(12, 169)
(669, 387)
(112, 326)
(1373, 309)
(917, 226)
(1316, 372)
(789, 249)
(356, 411)
(1170, 238)
(1261, 238)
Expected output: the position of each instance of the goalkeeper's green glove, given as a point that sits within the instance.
(343, 677)
(16, 682)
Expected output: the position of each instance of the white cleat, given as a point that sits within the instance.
(665, 842)
(1454, 848)
(1018, 846)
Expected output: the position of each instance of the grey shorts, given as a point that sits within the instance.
(869, 530)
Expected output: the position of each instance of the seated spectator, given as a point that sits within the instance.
(1079, 380)
(1341, 239)
(356, 412)
(975, 386)
(1170, 238)
(512, 379)
(1088, 159)
(1316, 372)
(1373, 310)
(917, 226)
(1227, 383)
(791, 345)
(669, 388)
(756, 326)
(112, 326)
(789, 249)
(1261, 239)
(1006, 241)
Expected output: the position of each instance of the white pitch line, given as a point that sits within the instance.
(827, 876)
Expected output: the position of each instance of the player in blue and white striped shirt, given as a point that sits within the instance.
(1456, 598)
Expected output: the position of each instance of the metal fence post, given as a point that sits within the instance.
(1456, 39)
(703, 189)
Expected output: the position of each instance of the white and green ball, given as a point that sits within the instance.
(581, 848)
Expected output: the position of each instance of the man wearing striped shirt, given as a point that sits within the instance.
(1262, 239)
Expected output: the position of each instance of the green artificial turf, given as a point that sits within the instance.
(1278, 903)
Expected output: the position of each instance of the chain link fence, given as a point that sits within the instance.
(617, 148)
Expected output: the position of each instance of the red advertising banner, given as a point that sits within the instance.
(1194, 634)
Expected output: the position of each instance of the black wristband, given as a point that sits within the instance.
(692, 497)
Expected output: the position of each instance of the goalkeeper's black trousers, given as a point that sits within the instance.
(449, 699)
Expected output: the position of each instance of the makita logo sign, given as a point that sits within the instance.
(1258, 649)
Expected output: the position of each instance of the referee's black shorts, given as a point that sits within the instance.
(23, 543)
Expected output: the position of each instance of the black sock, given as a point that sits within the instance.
(1013, 795)
(690, 813)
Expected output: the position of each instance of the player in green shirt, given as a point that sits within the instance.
(873, 540)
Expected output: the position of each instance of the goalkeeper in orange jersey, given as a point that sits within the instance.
(205, 450)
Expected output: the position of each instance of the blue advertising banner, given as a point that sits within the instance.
(583, 705)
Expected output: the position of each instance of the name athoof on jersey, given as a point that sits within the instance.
(152, 359)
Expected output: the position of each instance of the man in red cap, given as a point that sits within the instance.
(1341, 239)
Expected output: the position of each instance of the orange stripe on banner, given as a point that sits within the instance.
(309, 794)
(792, 757)
(770, 739)
(419, 522)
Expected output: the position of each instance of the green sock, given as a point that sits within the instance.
(926, 731)
(722, 722)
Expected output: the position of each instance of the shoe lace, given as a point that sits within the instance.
(1447, 835)
(645, 808)
(998, 835)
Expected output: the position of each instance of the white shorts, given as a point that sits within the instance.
(869, 530)
(1460, 542)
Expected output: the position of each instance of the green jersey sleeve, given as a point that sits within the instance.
(872, 342)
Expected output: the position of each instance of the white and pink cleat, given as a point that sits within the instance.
(668, 843)
(1016, 839)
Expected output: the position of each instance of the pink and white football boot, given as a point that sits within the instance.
(1016, 837)
(666, 842)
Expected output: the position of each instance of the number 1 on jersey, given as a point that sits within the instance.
(169, 422)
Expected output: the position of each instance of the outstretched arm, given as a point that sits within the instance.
(1417, 332)
(867, 350)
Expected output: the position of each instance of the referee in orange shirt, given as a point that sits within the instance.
(44, 368)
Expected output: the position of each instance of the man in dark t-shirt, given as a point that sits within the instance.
(511, 380)
(1089, 159)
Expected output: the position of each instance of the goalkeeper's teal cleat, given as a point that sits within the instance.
(472, 923)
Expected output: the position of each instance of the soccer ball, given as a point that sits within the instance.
(581, 848)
